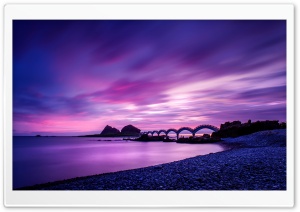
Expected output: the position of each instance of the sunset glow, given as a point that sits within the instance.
(76, 77)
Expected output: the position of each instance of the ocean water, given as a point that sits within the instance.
(46, 159)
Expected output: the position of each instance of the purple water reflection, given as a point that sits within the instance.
(46, 159)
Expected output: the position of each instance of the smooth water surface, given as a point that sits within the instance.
(45, 159)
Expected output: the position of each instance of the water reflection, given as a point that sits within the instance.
(46, 159)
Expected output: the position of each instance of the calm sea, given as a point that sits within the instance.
(45, 159)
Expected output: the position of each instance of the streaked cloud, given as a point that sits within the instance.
(75, 77)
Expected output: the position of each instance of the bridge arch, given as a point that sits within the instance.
(155, 131)
(177, 132)
(205, 126)
(162, 131)
(171, 130)
(185, 128)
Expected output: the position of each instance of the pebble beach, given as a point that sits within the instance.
(252, 162)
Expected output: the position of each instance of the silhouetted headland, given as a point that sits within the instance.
(236, 128)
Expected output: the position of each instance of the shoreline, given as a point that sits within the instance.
(227, 147)
(245, 164)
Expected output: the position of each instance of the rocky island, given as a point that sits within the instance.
(108, 131)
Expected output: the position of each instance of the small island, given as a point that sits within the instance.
(108, 131)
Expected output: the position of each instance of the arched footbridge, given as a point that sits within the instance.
(177, 132)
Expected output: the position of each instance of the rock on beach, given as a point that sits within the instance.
(252, 162)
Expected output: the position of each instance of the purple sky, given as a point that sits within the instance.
(75, 77)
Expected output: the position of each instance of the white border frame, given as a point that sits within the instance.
(147, 198)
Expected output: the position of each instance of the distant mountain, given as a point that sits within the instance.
(110, 131)
(130, 130)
